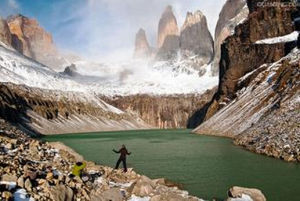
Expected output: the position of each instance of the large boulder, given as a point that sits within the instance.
(245, 194)
(195, 38)
(108, 195)
(61, 193)
(143, 187)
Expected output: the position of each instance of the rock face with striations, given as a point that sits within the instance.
(257, 102)
(232, 13)
(142, 47)
(5, 35)
(30, 39)
(241, 55)
(168, 35)
(163, 111)
(195, 38)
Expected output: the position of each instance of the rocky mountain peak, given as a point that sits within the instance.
(232, 13)
(193, 18)
(142, 48)
(195, 38)
(167, 26)
(30, 39)
(5, 35)
(168, 35)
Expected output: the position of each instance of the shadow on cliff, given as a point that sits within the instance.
(197, 117)
(197, 40)
(169, 48)
(13, 109)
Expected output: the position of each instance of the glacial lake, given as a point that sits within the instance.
(206, 166)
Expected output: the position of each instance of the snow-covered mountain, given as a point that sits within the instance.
(125, 78)
(41, 100)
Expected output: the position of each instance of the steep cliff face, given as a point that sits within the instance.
(168, 35)
(50, 111)
(142, 47)
(241, 54)
(163, 111)
(195, 38)
(268, 87)
(232, 13)
(257, 102)
(5, 35)
(33, 41)
(265, 115)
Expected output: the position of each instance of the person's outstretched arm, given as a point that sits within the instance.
(116, 151)
(128, 153)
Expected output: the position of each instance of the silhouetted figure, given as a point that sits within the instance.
(67, 115)
(56, 113)
(123, 153)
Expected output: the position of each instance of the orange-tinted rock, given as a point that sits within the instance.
(168, 35)
(5, 35)
(30, 39)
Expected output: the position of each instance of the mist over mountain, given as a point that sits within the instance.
(155, 69)
(101, 29)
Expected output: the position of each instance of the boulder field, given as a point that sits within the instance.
(31, 169)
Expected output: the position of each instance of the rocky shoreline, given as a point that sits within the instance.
(277, 134)
(34, 170)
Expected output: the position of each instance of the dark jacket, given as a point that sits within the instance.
(123, 152)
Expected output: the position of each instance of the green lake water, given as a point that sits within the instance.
(206, 166)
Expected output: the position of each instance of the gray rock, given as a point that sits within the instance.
(195, 38)
(245, 193)
(20, 182)
(61, 193)
(9, 178)
(28, 185)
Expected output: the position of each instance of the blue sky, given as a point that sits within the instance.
(105, 28)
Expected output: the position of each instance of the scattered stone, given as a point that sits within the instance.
(245, 193)
(28, 185)
(61, 193)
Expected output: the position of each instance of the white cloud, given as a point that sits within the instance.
(13, 4)
(103, 27)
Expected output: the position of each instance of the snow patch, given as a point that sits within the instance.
(121, 185)
(136, 198)
(243, 198)
(22, 195)
(11, 185)
(281, 39)
(109, 79)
